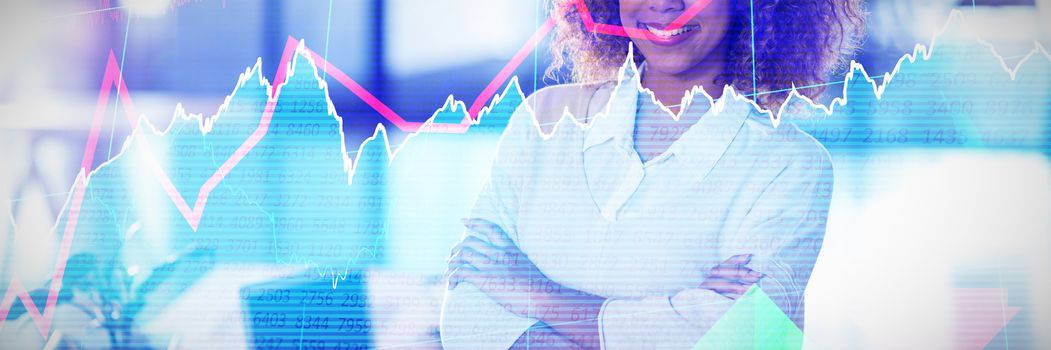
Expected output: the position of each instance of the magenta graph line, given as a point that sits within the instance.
(112, 78)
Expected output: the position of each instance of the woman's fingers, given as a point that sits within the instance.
(741, 259)
(734, 269)
(725, 287)
(461, 273)
(736, 272)
(455, 262)
(732, 278)
(483, 247)
(488, 261)
(478, 247)
(492, 231)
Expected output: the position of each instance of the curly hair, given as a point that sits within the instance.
(797, 43)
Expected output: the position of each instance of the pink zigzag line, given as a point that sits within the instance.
(510, 67)
(113, 76)
(193, 216)
(476, 107)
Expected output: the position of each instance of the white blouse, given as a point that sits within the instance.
(577, 199)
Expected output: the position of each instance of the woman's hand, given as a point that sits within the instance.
(501, 270)
(731, 278)
(504, 273)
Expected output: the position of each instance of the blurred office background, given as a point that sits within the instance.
(413, 54)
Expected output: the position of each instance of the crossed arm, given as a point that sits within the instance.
(488, 271)
(491, 262)
(499, 299)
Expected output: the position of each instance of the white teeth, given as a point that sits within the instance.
(670, 33)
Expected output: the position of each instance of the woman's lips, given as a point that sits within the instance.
(664, 37)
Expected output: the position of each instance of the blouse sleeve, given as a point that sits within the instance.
(469, 318)
(783, 229)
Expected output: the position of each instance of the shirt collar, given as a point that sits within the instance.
(699, 148)
(617, 123)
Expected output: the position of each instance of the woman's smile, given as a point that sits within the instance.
(657, 34)
(680, 51)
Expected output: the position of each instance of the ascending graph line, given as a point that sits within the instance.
(328, 35)
(123, 54)
(88, 12)
(113, 78)
(510, 67)
(394, 118)
(751, 31)
(504, 74)
(807, 87)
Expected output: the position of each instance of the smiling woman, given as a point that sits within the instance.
(644, 228)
